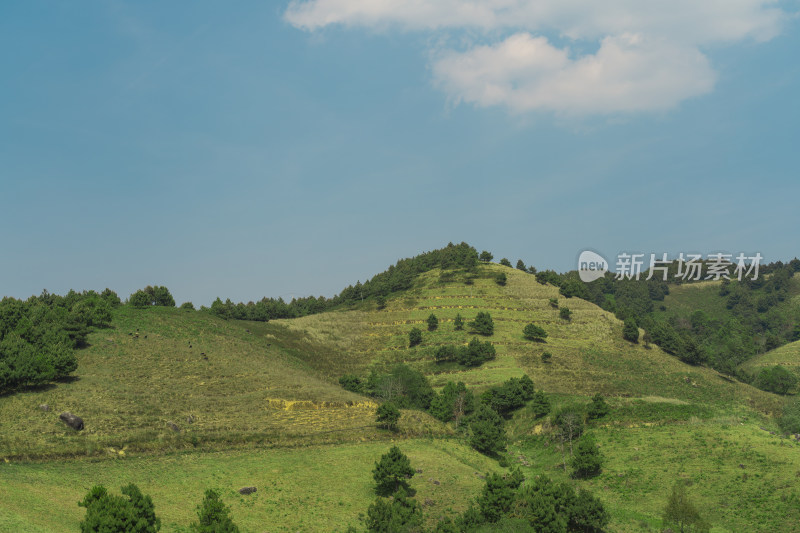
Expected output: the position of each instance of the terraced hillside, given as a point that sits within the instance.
(787, 356)
(589, 354)
(165, 379)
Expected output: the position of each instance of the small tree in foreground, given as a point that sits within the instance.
(107, 512)
(521, 265)
(458, 323)
(392, 472)
(433, 322)
(414, 337)
(398, 515)
(387, 415)
(214, 515)
(483, 324)
(681, 513)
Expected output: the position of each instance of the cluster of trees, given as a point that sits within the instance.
(398, 277)
(38, 336)
(775, 379)
(134, 512)
(402, 386)
(473, 354)
(755, 322)
(150, 296)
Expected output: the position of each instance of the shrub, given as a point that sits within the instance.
(501, 279)
(546, 356)
(433, 322)
(476, 353)
(565, 313)
(187, 305)
(387, 416)
(540, 406)
(398, 515)
(505, 262)
(630, 331)
(414, 337)
(587, 460)
(488, 433)
(214, 515)
(483, 324)
(775, 379)
(106, 512)
(351, 382)
(598, 408)
(532, 332)
(458, 323)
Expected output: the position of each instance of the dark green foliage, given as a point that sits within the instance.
(597, 408)
(392, 472)
(488, 433)
(509, 396)
(433, 322)
(387, 416)
(475, 353)
(532, 332)
(132, 512)
(458, 323)
(565, 313)
(38, 335)
(352, 383)
(587, 460)
(150, 296)
(505, 262)
(452, 403)
(445, 353)
(630, 331)
(187, 305)
(789, 421)
(405, 387)
(380, 302)
(214, 515)
(546, 356)
(521, 265)
(681, 514)
(414, 337)
(486, 257)
(498, 495)
(483, 324)
(775, 379)
(540, 405)
(501, 279)
(401, 514)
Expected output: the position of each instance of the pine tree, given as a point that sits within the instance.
(392, 472)
(587, 460)
(458, 323)
(433, 322)
(214, 515)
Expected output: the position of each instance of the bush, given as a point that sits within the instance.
(630, 331)
(476, 353)
(598, 408)
(120, 514)
(392, 472)
(488, 433)
(398, 515)
(546, 356)
(501, 279)
(509, 396)
(565, 313)
(540, 406)
(387, 416)
(214, 515)
(775, 379)
(505, 262)
(445, 353)
(458, 323)
(483, 324)
(532, 332)
(414, 337)
(351, 382)
(187, 305)
(587, 460)
(433, 322)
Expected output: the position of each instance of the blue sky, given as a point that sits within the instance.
(248, 150)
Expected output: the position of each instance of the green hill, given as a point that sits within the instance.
(787, 356)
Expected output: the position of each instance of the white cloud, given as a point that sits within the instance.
(648, 58)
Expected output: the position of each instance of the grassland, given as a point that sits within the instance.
(316, 488)
(787, 356)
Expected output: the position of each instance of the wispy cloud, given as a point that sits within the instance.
(648, 56)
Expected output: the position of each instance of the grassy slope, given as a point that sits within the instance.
(128, 389)
(787, 355)
(589, 354)
(317, 488)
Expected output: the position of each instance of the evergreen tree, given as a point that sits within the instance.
(488, 433)
(533, 332)
(392, 472)
(213, 515)
(587, 460)
(498, 495)
(546, 356)
(483, 324)
(540, 405)
(520, 265)
(630, 331)
(433, 322)
(565, 313)
(501, 279)
(119, 514)
(414, 337)
(598, 408)
(458, 323)
(401, 514)
(486, 257)
(387, 416)
(505, 262)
